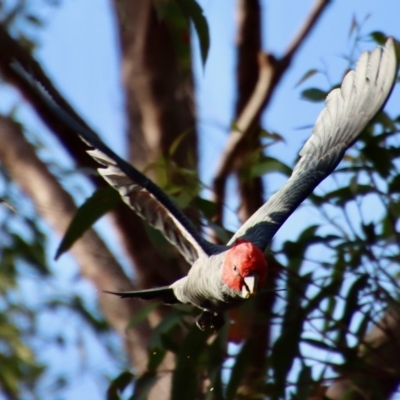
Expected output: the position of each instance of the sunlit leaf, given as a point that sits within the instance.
(175, 144)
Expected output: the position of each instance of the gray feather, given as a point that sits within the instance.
(147, 206)
(164, 294)
(139, 192)
(347, 112)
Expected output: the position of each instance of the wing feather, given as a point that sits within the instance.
(347, 112)
(163, 293)
(145, 204)
(139, 192)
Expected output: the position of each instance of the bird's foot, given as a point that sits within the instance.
(210, 320)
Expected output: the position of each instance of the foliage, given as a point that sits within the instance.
(339, 275)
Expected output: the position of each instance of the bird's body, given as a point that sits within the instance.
(222, 277)
(218, 290)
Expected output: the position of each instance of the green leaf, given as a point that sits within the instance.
(239, 369)
(369, 231)
(184, 379)
(326, 292)
(33, 253)
(378, 37)
(101, 202)
(267, 165)
(215, 357)
(381, 159)
(351, 306)
(98, 325)
(175, 144)
(307, 75)
(345, 194)
(305, 383)
(142, 314)
(286, 348)
(314, 94)
(143, 386)
(195, 13)
(394, 185)
(275, 137)
(118, 385)
(207, 207)
(163, 328)
(155, 358)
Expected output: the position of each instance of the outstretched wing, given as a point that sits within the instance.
(139, 192)
(347, 112)
(152, 204)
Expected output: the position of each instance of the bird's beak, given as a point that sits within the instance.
(249, 286)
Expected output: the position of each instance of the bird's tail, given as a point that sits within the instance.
(164, 294)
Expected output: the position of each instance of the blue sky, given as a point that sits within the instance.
(78, 49)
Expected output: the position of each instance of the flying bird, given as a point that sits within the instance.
(222, 277)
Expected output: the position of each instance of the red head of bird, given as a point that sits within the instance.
(244, 268)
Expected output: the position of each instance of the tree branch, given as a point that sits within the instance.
(57, 208)
(378, 374)
(159, 105)
(271, 71)
(135, 244)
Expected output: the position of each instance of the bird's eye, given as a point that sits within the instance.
(235, 268)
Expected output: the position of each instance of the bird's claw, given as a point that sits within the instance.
(209, 320)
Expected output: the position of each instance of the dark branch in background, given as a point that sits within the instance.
(271, 71)
(258, 75)
(377, 374)
(57, 208)
(122, 215)
(250, 321)
(159, 108)
(152, 268)
(249, 46)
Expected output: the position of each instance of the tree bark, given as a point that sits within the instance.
(57, 208)
(160, 108)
